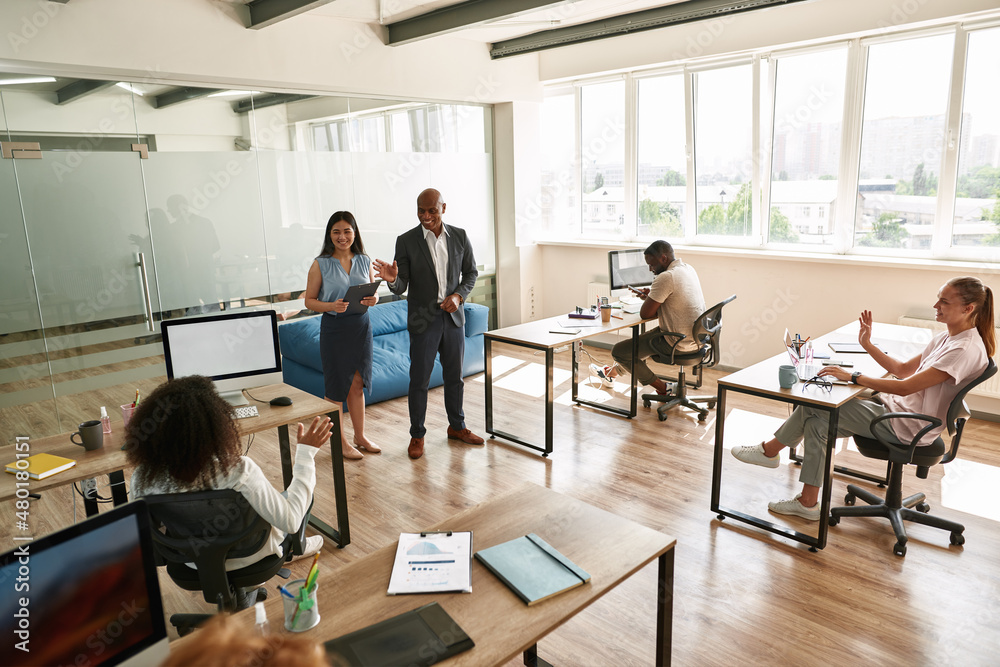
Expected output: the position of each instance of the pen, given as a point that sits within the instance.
(284, 591)
(618, 317)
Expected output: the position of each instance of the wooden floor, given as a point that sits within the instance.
(741, 596)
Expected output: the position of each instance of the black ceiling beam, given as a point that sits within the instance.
(460, 16)
(262, 101)
(647, 19)
(179, 95)
(78, 89)
(268, 12)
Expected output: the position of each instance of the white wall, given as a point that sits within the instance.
(206, 41)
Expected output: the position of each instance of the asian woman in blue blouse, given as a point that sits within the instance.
(345, 340)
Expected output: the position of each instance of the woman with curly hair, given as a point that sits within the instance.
(183, 437)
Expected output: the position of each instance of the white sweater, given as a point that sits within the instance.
(283, 510)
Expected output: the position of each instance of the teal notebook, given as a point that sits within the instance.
(532, 568)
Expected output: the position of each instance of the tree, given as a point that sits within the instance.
(712, 220)
(598, 180)
(887, 232)
(733, 220)
(781, 228)
(919, 181)
(672, 178)
(994, 217)
(660, 218)
(983, 182)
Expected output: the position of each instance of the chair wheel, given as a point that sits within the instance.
(899, 549)
(958, 539)
(849, 499)
(645, 403)
(711, 405)
(923, 507)
(834, 520)
(662, 416)
(702, 416)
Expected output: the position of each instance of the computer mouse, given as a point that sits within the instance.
(281, 400)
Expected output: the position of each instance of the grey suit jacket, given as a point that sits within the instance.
(417, 277)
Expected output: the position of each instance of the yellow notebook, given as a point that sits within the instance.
(42, 465)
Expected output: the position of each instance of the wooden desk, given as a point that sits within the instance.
(536, 336)
(607, 546)
(111, 460)
(761, 380)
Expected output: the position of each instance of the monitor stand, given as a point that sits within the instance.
(234, 397)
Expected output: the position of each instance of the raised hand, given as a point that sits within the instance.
(385, 271)
(317, 434)
(865, 328)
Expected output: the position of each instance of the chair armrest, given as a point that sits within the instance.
(932, 422)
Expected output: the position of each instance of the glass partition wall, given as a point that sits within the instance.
(127, 204)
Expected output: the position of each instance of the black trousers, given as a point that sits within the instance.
(440, 336)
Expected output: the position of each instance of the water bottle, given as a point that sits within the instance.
(809, 353)
(261, 627)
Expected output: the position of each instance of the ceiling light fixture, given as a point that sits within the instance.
(129, 88)
(234, 93)
(30, 79)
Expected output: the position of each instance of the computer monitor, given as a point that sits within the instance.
(628, 267)
(236, 351)
(85, 595)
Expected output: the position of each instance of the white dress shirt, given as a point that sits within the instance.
(438, 245)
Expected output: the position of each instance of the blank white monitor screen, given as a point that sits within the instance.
(628, 267)
(236, 350)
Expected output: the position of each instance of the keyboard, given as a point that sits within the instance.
(244, 411)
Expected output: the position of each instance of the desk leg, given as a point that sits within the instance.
(831, 444)
(342, 536)
(488, 355)
(573, 369)
(549, 396)
(634, 408)
(531, 658)
(664, 608)
(118, 492)
(720, 424)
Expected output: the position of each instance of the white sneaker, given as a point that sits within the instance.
(312, 546)
(794, 508)
(755, 454)
(603, 373)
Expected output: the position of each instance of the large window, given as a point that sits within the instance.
(661, 175)
(724, 150)
(902, 142)
(878, 145)
(603, 156)
(805, 145)
(977, 199)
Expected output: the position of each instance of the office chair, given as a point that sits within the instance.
(894, 507)
(707, 330)
(207, 528)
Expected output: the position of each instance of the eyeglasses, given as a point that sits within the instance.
(818, 381)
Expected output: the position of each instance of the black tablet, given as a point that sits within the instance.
(357, 292)
(422, 636)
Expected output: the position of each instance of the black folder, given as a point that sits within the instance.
(421, 636)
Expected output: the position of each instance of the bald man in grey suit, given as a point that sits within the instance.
(435, 265)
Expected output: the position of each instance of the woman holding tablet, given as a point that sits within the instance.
(345, 339)
(925, 384)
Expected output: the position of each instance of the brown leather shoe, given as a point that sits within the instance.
(465, 435)
(416, 448)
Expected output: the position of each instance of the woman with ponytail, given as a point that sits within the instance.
(925, 384)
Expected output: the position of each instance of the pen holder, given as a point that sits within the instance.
(301, 612)
(127, 411)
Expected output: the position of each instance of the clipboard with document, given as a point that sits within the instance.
(354, 295)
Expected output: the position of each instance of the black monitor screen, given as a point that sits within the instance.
(86, 595)
(234, 345)
(628, 267)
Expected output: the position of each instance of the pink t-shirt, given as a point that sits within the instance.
(963, 358)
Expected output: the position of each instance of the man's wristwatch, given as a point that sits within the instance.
(854, 377)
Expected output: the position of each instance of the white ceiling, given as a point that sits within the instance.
(566, 13)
